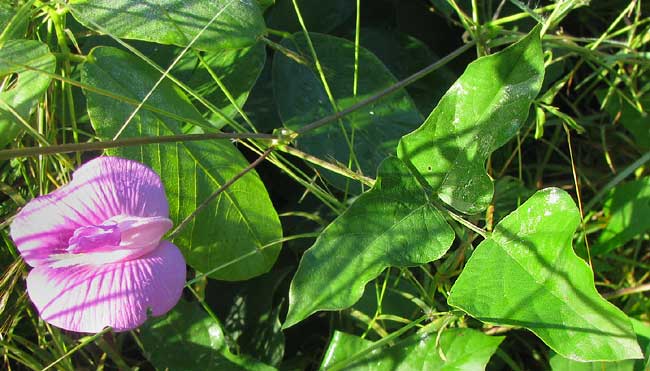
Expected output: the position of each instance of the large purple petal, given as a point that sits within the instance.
(87, 298)
(100, 189)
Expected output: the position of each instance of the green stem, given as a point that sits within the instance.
(360, 354)
(126, 142)
(84, 341)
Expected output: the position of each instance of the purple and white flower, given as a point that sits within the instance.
(96, 249)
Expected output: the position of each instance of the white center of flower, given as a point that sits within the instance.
(119, 238)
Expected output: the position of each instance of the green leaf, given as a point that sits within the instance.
(231, 24)
(374, 130)
(463, 349)
(633, 119)
(399, 299)
(250, 316)
(405, 55)
(188, 339)
(559, 363)
(25, 86)
(527, 274)
(319, 16)
(394, 224)
(627, 209)
(14, 22)
(484, 108)
(239, 221)
(642, 330)
(237, 69)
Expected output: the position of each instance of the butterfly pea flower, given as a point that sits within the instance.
(96, 249)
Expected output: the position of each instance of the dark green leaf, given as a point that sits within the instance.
(463, 349)
(237, 69)
(319, 16)
(628, 210)
(24, 86)
(394, 224)
(527, 274)
(484, 108)
(188, 339)
(250, 316)
(231, 24)
(405, 55)
(240, 220)
(301, 98)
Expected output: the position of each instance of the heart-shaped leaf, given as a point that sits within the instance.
(222, 24)
(25, 86)
(527, 274)
(463, 349)
(394, 224)
(363, 138)
(240, 220)
(482, 110)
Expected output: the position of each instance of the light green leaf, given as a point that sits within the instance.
(627, 209)
(394, 224)
(527, 274)
(463, 349)
(484, 108)
(373, 130)
(559, 363)
(24, 87)
(188, 339)
(642, 330)
(239, 221)
(231, 24)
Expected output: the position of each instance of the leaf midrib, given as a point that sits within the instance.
(162, 123)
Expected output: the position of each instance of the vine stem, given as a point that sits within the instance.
(627, 291)
(81, 344)
(216, 193)
(342, 170)
(125, 142)
(393, 88)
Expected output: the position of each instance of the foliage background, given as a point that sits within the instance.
(74, 73)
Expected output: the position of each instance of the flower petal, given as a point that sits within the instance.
(100, 189)
(87, 298)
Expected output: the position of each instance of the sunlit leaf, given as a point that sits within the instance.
(394, 224)
(462, 349)
(230, 24)
(484, 108)
(527, 274)
(22, 86)
(559, 363)
(239, 221)
(372, 132)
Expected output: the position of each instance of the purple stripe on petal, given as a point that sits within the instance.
(87, 298)
(100, 189)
